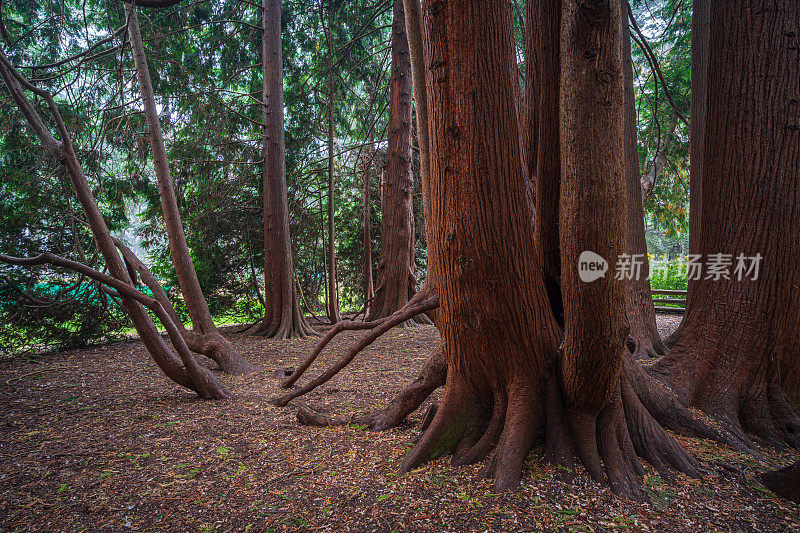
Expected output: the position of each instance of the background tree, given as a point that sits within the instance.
(283, 317)
(204, 337)
(396, 280)
(748, 207)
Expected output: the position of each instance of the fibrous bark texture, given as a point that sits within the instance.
(736, 358)
(396, 282)
(638, 298)
(697, 127)
(508, 384)
(283, 318)
(543, 67)
(215, 346)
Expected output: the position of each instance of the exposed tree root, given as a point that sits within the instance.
(515, 418)
(431, 377)
(414, 306)
(662, 403)
(784, 482)
(645, 346)
(753, 402)
(386, 325)
(290, 325)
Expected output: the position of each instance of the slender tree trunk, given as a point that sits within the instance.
(639, 299)
(183, 369)
(332, 301)
(736, 358)
(369, 291)
(701, 10)
(206, 339)
(283, 318)
(396, 281)
(648, 180)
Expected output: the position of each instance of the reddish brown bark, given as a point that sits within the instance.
(543, 27)
(209, 340)
(641, 314)
(396, 282)
(283, 318)
(736, 358)
(697, 113)
(499, 334)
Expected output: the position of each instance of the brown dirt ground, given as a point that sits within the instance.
(96, 439)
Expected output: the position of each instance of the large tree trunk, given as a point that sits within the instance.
(499, 334)
(183, 369)
(283, 318)
(736, 358)
(332, 300)
(205, 337)
(639, 299)
(396, 281)
(543, 24)
(700, 34)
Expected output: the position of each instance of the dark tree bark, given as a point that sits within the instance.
(701, 10)
(543, 26)
(505, 384)
(283, 318)
(639, 299)
(395, 277)
(784, 482)
(182, 369)
(332, 288)
(736, 358)
(207, 339)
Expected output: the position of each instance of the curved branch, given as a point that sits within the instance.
(350, 325)
(397, 318)
(201, 380)
(651, 58)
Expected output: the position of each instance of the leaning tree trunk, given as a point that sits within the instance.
(639, 299)
(205, 337)
(697, 126)
(183, 369)
(332, 300)
(283, 318)
(543, 23)
(499, 335)
(736, 358)
(396, 280)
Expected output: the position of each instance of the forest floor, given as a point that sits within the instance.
(97, 439)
